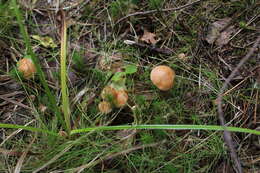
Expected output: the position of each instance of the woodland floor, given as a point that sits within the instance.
(203, 42)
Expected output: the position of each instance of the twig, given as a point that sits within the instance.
(12, 94)
(153, 11)
(151, 48)
(227, 134)
(15, 102)
(237, 85)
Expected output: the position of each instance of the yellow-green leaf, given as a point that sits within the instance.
(45, 41)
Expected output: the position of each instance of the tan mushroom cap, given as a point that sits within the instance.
(121, 98)
(108, 93)
(26, 67)
(162, 77)
(104, 107)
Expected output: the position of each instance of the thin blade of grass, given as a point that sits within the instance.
(124, 127)
(167, 127)
(64, 88)
(29, 128)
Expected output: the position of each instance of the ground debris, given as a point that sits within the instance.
(149, 37)
(220, 32)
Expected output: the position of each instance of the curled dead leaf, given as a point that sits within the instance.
(149, 37)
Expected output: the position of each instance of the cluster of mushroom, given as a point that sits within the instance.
(161, 76)
(112, 97)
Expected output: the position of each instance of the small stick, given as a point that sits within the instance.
(227, 134)
(15, 102)
(151, 48)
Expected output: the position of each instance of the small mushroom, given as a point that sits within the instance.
(104, 107)
(108, 93)
(121, 98)
(162, 77)
(26, 67)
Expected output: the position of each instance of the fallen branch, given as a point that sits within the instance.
(227, 134)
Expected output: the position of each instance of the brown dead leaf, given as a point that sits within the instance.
(224, 36)
(149, 37)
(42, 108)
(216, 34)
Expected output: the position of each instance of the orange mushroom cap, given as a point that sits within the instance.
(108, 93)
(162, 77)
(104, 107)
(26, 67)
(121, 98)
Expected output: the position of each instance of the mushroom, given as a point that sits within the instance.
(121, 98)
(104, 107)
(117, 97)
(26, 67)
(162, 77)
(108, 93)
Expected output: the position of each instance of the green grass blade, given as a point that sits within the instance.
(168, 127)
(33, 129)
(64, 88)
(30, 52)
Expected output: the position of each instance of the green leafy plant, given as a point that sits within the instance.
(128, 69)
